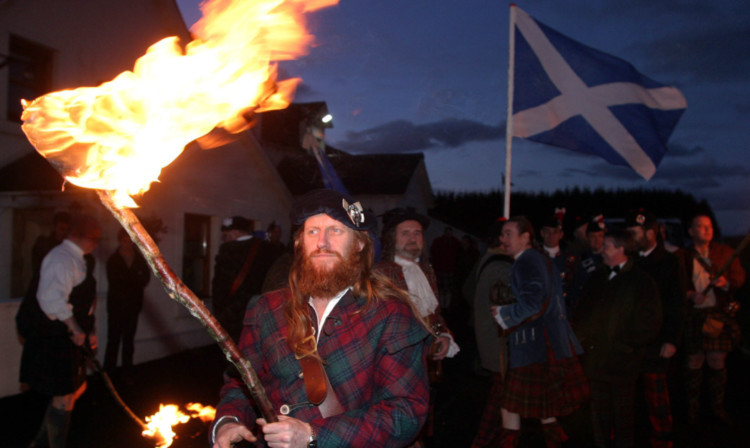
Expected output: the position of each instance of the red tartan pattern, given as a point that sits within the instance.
(552, 389)
(491, 423)
(659, 409)
(696, 342)
(374, 358)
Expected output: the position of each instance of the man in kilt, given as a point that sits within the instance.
(709, 297)
(667, 271)
(545, 379)
(56, 321)
(618, 319)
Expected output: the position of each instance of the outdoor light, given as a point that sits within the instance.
(327, 118)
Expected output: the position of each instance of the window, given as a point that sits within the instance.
(196, 255)
(29, 74)
(31, 227)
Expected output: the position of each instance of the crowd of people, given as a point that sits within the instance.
(349, 343)
(628, 302)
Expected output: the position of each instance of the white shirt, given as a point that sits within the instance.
(62, 269)
(646, 253)
(421, 295)
(701, 280)
(551, 251)
(329, 307)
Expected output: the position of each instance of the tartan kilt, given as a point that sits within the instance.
(553, 388)
(52, 365)
(695, 341)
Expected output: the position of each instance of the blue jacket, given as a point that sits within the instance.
(532, 281)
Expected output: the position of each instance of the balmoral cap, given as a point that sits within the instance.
(338, 206)
(640, 218)
(396, 216)
(596, 223)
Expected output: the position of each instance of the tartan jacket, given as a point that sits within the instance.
(374, 358)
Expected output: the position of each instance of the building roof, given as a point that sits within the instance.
(31, 172)
(361, 174)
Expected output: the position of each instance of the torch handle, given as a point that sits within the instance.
(179, 292)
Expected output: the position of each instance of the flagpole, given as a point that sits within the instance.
(509, 112)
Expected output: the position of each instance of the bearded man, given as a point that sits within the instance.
(338, 316)
(403, 243)
(668, 273)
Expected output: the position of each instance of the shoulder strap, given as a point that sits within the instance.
(702, 261)
(254, 244)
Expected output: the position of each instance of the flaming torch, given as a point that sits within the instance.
(117, 137)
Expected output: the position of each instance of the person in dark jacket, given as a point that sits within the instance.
(127, 277)
(669, 275)
(618, 318)
(241, 266)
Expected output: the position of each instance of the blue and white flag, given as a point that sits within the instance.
(573, 96)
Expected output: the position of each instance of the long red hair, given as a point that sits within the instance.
(371, 285)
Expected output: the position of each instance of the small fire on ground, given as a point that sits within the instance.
(160, 425)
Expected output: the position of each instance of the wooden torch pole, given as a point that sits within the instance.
(179, 292)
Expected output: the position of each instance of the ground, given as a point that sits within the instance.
(195, 376)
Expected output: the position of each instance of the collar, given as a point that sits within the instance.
(73, 246)
(515, 257)
(646, 253)
(398, 259)
(244, 238)
(551, 251)
(329, 307)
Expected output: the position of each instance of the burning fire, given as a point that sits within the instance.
(160, 424)
(119, 135)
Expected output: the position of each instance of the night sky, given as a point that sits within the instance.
(431, 76)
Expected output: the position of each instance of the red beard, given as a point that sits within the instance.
(315, 282)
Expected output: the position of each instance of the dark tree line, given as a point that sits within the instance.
(473, 212)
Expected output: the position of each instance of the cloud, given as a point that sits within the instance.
(404, 136)
(716, 54)
(679, 150)
(703, 174)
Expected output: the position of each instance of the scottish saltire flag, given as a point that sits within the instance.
(573, 96)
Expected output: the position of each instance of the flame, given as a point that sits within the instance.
(161, 423)
(205, 413)
(118, 136)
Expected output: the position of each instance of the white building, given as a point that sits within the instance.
(50, 45)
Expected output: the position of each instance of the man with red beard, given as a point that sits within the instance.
(339, 322)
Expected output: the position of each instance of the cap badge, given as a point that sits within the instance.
(355, 212)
